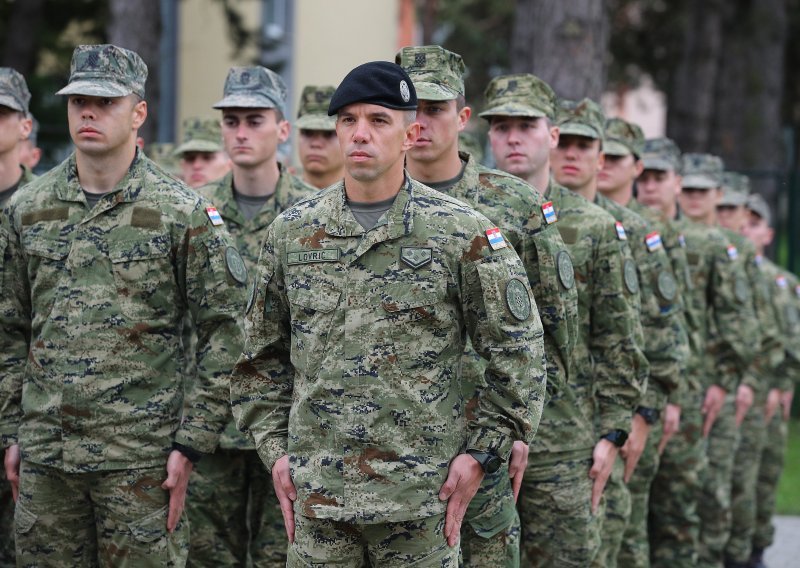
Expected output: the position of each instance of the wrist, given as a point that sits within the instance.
(616, 437)
(650, 415)
(489, 461)
(187, 452)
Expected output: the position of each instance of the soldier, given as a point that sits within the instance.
(569, 460)
(15, 127)
(233, 509)
(320, 155)
(202, 159)
(365, 294)
(731, 344)
(30, 153)
(163, 154)
(491, 533)
(666, 339)
(107, 254)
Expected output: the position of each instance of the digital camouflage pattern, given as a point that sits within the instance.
(26, 177)
(735, 189)
(661, 154)
(105, 71)
(623, 138)
(437, 73)
(519, 95)
(358, 334)
(200, 135)
(14, 92)
(702, 171)
(120, 276)
(163, 154)
(580, 118)
(253, 87)
(312, 113)
(757, 204)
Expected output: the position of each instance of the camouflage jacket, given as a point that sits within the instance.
(773, 349)
(248, 236)
(785, 294)
(524, 217)
(26, 177)
(608, 364)
(96, 300)
(666, 344)
(351, 363)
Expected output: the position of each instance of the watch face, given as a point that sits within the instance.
(493, 464)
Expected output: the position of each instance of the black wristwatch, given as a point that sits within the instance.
(650, 415)
(616, 437)
(490, 462)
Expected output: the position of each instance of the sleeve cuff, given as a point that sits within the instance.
(271, 449)
(199, 440)
(490, 441)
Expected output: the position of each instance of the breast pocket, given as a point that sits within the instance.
(312, 307)
(144, 278)
(46, 260)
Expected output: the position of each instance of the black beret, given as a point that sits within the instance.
(379, 83)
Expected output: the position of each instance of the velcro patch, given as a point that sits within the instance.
(54, 214)
(146, 218)
(310, 256)
(416, 257)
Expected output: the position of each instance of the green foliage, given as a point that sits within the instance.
(788, 499)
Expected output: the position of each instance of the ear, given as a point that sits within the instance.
(284, 129)
(555, 134)
(139, 114)
(638, 168)
(411, 135)
(768, 236)
(463, 117)
(678, 184)
(25, 126)
(601, 161)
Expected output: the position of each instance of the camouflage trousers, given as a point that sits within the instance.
(673, 520)
(108, 518)
(634, 551)
(769, 473)
(6, 520)
(615, 518)
(714, 501)
(324, 542)
(234, 511)
(555, 508)
(745, 480)
(490, 532)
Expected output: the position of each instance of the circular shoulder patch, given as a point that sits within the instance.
(630, 276)
(235, 264)
(252, 299)
(519, 303)
(666, 285)
(740, 289)
(566, 271)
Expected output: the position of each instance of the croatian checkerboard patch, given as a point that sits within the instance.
(549, 213)
(621, 235)
(653, 241)
(214, 216)
(496, 240)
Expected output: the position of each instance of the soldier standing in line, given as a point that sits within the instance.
(349, 383)
(106, 256)
(202, 158)
(30, 153)
(318, 148)
(491, 533)
(233, 508)
(569, 460)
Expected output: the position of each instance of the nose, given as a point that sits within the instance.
(87, 111)
(241, 131)
(360, 131)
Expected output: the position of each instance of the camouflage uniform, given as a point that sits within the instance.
(555, 503)
(95, 424)
(163, 154)
(14, 94)
(359, 334)
(232, 506)
(312, 114)
(491, 533)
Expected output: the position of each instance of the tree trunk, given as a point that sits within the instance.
(564, 42)
(137, 26)
(19, 49)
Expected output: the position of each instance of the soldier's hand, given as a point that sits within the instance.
(463, 480)
(713, 403)
(284, 489)
(517, 465)
(603, 457)
(672, 425)
(773, 402)
(634, 446)
(179, 468)
(786, 403)
(744, 400)
(11, 464)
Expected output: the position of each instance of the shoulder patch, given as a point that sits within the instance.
(496, 240)
(518, 300)
(416, 257)
(214, 216)
(759, 260)
(666, 285)
(653, 241)
(566, 270)
(781, 282)
(621, 235)
(630, 276)
(733, 253)
(549, 213)
(235, 264)
(682, 240)
(797, 290)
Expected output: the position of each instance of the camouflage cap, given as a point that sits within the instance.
(253, 87)
(758, 205)
(200, 135)
(313, 111)
(661, 154)
(437, 74)
(702, 171)
(163, 154)
(581, 118)
(105, 71)
(519, 95)
(735, 189)
(623, 138)
(14, 92)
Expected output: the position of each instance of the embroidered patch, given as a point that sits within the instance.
(621, 235)
(309, 256)
(214, 216)
(733, 254)
(566, 270)
(235, 264)
(549, 212)
(653, 241)
(666, 285)
(496, 240)
(416, 257)
(519, 303)
(630, 276)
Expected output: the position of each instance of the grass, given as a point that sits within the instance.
(788, 499)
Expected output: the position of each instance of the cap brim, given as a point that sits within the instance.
(732, 198)
(575, 129)
(434, 92)
(660, 164)
(315, 122)
(513, 109)
(197, 146)
(699, 181)
(11, 102)
(95, 89)
(246, 101)
(614, 148)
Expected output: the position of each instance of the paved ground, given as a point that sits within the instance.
(785, 553)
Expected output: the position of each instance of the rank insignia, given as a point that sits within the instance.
(733, 254)
(214, 216)
(653, 241)
(621, 235)
(416, 257)
(496, 240)
(549, 213)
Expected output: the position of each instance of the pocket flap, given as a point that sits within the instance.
(23, 519)
(54, 249)
(315, 296)
(142, 249)
(151, 527)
